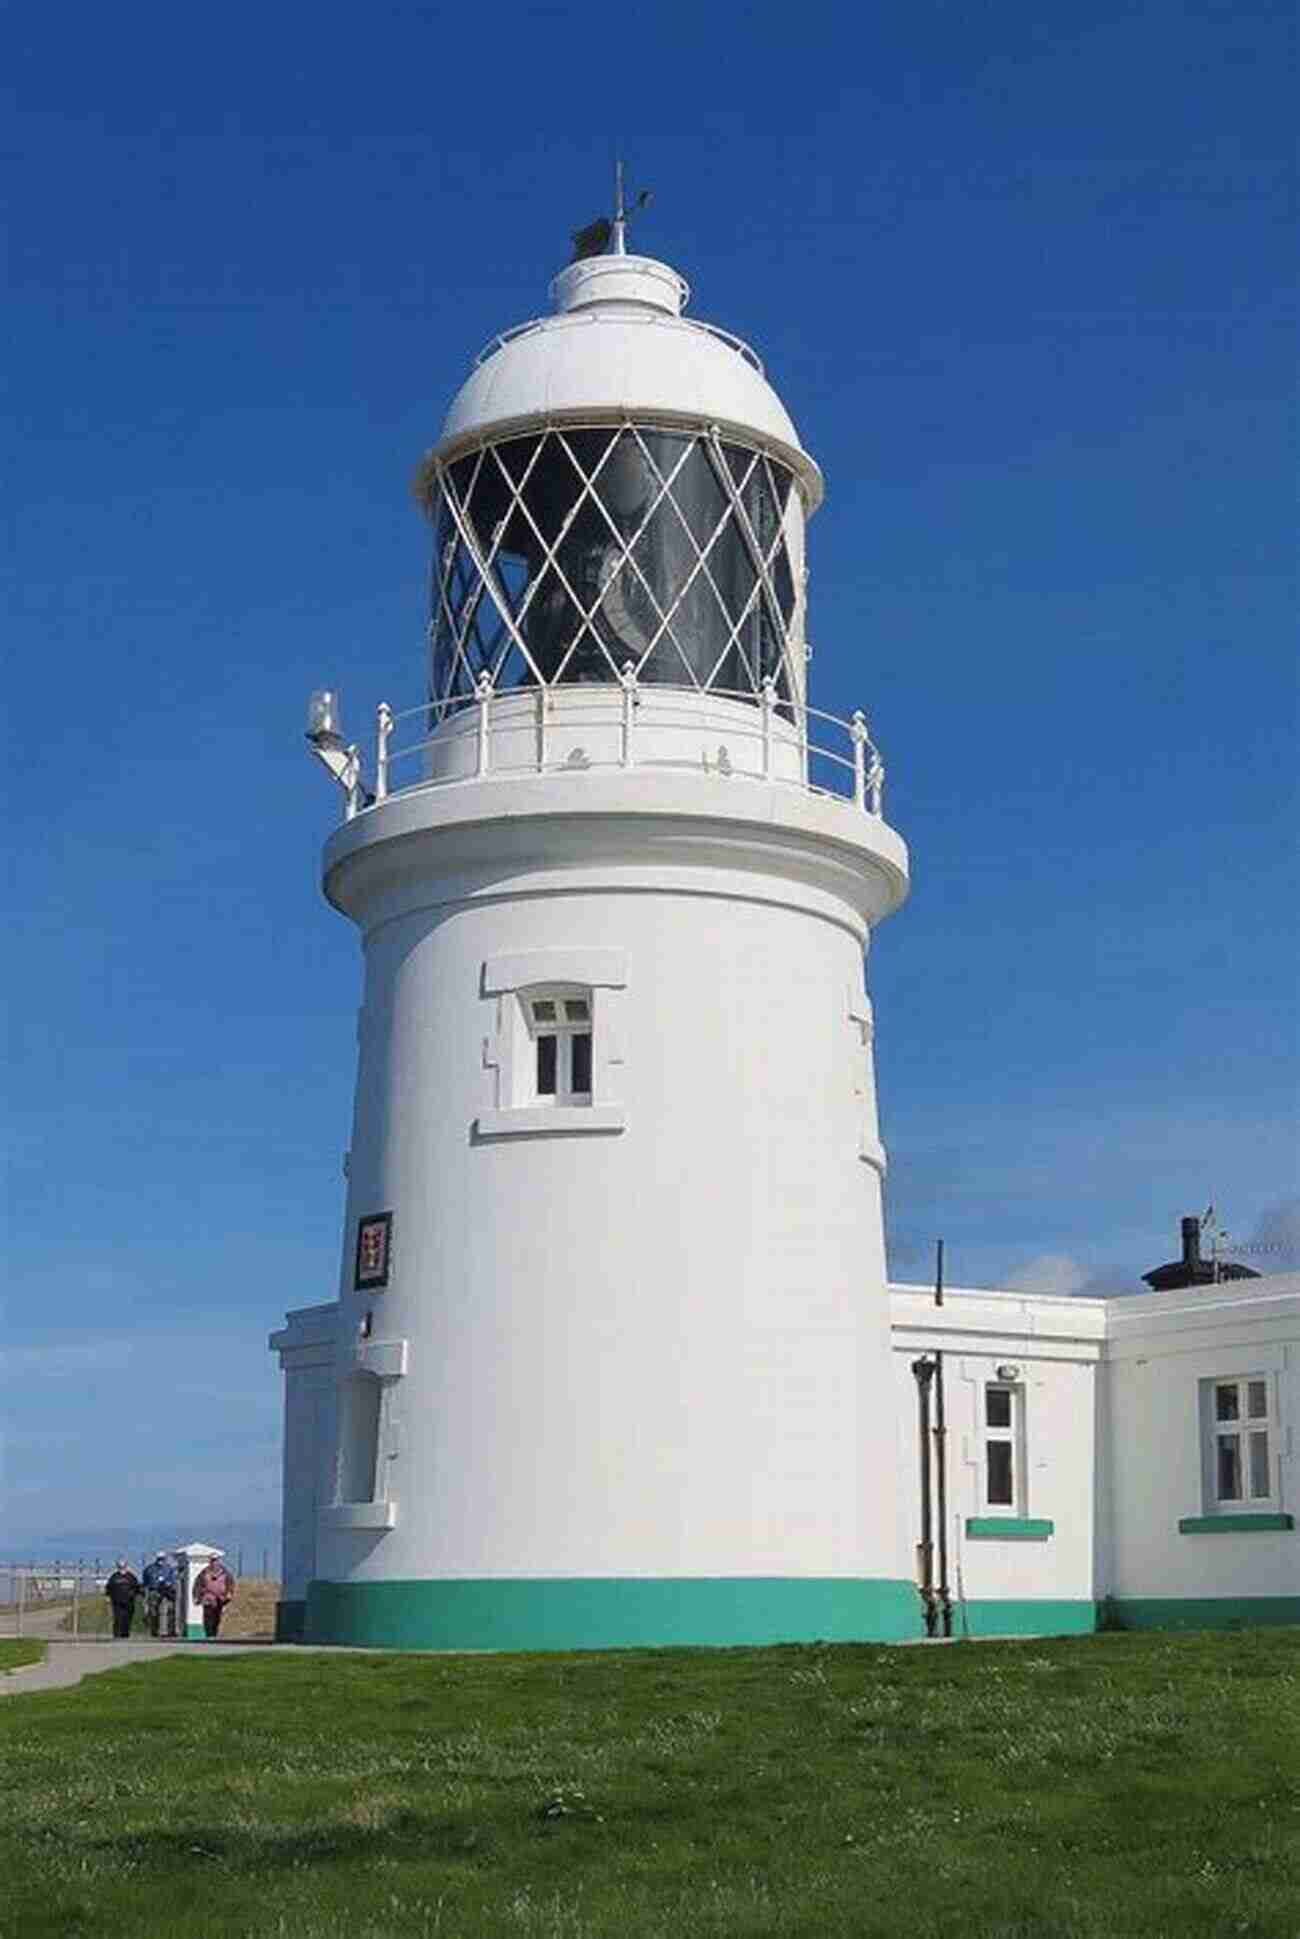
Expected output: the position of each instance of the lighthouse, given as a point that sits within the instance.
(610, 1362)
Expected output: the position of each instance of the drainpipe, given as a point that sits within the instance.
(923, 1373)
(941, 1460)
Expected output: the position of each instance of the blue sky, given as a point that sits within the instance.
(1022, 277)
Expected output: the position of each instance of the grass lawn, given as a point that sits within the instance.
(1123, 1785)
(14, 1654)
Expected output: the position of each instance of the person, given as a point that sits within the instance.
(214, 1587)
(160, 1595)
(122, 1588)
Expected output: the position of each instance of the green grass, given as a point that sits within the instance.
(1091, 1788)
(13, 1655)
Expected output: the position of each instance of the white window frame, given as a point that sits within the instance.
(1240, 1429)
(512, 984)
(1013, 1436)
(564, 1027)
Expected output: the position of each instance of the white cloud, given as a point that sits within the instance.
(1048, 1272)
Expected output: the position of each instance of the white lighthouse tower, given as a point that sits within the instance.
(612, 1350)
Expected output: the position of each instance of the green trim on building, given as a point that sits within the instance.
(1027, 1617)
(1233, 1524)
(290, 1621)
(1008, 1528)
(628, 1612)
(1216, 1612)
(194, 1632)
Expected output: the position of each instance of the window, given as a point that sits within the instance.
(1001, 1450)
(1239, 1443)
(559, 1023)
(561, 555)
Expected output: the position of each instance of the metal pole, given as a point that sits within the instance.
(628, 682)
(383, 728)
(769, 704)
(858, 730)
(76, 1601)
(483, 695)
(22, 1584)
(941, 1459)
(923, 1372)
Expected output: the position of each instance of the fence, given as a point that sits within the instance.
(66, 1595)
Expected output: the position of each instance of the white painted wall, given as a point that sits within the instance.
(659, 1349)
(1160, 1347)
(308, 1348)
(1056, 1344)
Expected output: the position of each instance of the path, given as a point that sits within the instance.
(68, 1660)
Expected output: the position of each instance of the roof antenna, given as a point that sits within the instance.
(604, 237)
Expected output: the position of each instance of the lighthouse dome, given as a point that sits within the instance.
(619, 346)
(618, 492)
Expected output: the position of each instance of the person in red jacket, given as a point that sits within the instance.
(214, 1587)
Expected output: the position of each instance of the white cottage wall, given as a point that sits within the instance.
(1161, 1348)
(1027, 1569)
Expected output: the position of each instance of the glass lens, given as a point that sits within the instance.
(582, 1063)
(999, 1456)
(997, 1406)
(605, 546)
(1259, 1466)
(1229, 1467)
(1226, 1403)
(1257, 1400)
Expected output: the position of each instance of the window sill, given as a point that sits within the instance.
(1234, 1524)
(1008, 1528)
(359, 1514)
(545, 1120)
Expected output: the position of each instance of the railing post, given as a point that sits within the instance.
(353, 782)
(858, 733)
(628, 681)
(383, 728)
(541, 730)
(769, 708)
(876, 785)
(483, 696)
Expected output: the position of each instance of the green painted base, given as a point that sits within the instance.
(1028, 1618)
(290, 1620)
(1212, 1612)
(1009, 1528)
(194, 1632)
(610, 1612)
(1235, 1524)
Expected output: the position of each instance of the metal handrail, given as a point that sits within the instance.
(779, 726)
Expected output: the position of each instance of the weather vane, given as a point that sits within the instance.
(606, 236)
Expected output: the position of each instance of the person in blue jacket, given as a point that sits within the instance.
(159, 1582)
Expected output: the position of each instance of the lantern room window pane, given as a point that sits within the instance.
(1229, 1467)
(1000, 1492)
(546, 1064)
(560, 557)
(1259, 1467)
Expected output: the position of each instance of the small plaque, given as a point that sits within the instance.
(374, 1251)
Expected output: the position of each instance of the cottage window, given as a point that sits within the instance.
(1239, 1443)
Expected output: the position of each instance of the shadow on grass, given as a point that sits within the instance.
(401, 1833)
